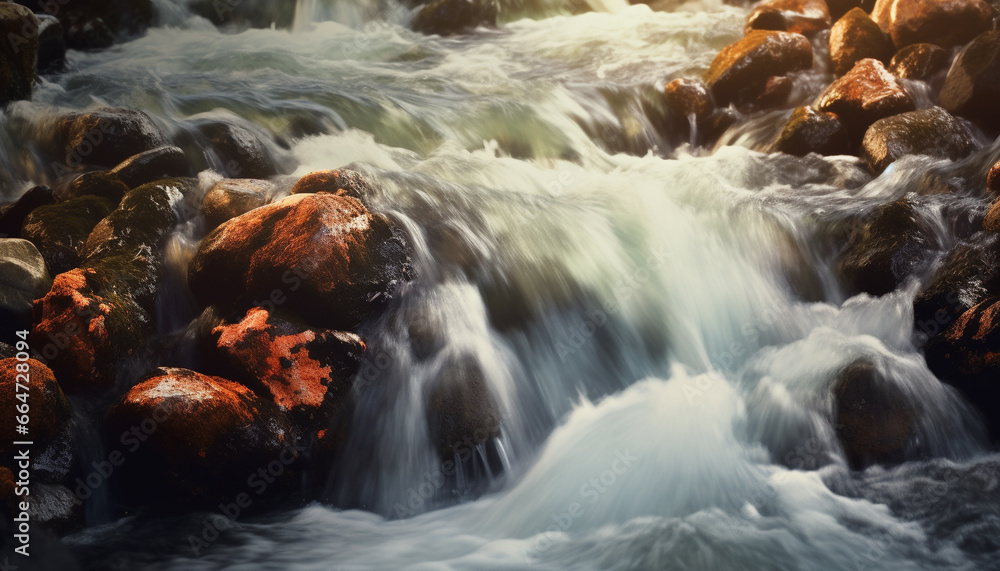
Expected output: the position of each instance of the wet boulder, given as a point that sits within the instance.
(993, 179)
(12, 216)
(688, 100)
(967, 356)
(51, 44)
(92, 24)
(884, 248)
(333, 260)
(152, 165)
(864, 95)
(932, 132)
(972, 86)
(945, 23)
(873, 417)
(50, 419)
(303, 370)
(195, 439)
(991, 222)
(739, 73)
(798, 16)
(23, 279)
(811, 131)
(450, 17)
(102, 184)
(840, 7)
(341, 181)
(919, 61)
(59, 230)
(97, 315)
(230, 198)
(462, 411)
(105, 137)
(246, 13)
(236, 152)
(856, 37)
(18, 52)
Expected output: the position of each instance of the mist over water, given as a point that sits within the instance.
(660, 329)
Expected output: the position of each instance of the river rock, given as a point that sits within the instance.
(919, 61)
(92, 24)
(884, 248)
(152, 165)
(967, 356)
(799, 16)
(462, 412)
(932, 132)
(18, 52)
(23, 279)
(874, 419)
(811, 131)
(105, 137)
(972, 86)
(59, 230)
(97, 315)
(334, 260)
(102, 184)
(341, 181)
(966, 276)
(12, 216)
(236, 151)
(230, 198)
(854, 38)
(196, 439)
(246, 13)
(864, 95)
(840, 7)
(51, 45)
(305, 371)
(945, 23)
(449, 17)
(739, 73)
(993, 178)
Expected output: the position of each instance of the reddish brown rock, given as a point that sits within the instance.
(972, 86)
(919, 61)
(689, 97)
(945, 23)
(230, 198)
(811, 131)
(854, 38)
(341, 182)
(799, 16)
(864, 95)
(305, 371)
(332, 259)
(993, 179)
(776, 92)
(874, 419)
(967, 356)
(840, 7)
(107, 136)
(992, 221)
(202, 438)
(931, 132)
(739, 73)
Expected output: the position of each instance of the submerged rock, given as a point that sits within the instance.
(105, 137)
(919, 61)
(246, 13)
(237, 152)
(305, 371)
(332, 259)
(739, 73)
(23, 279)
(874, 419)
(18, 52)
(864, 95)
(932, 132)
(462, 412)
(799, 16)
(945, 23)
(884, 248)
(967, 356)
(152, 165)
(230, 198)
(341, 182)
(972, 87)
(449, 17)
(856, 37)
(196, 439)
(60, 230)
(811, 131)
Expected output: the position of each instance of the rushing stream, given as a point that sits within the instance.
(661, 326)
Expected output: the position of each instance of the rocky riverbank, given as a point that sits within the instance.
(288, 269)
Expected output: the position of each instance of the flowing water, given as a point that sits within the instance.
(661, 326)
